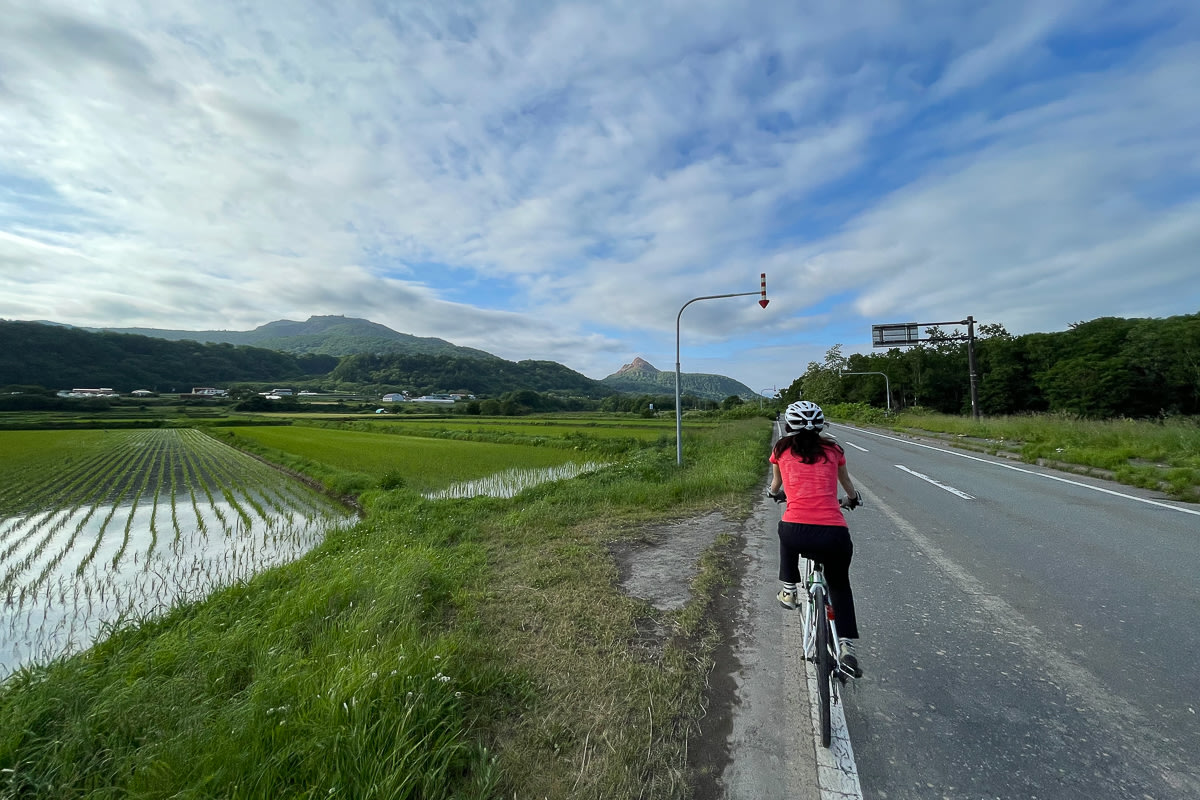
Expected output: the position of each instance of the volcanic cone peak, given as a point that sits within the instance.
(638, 365)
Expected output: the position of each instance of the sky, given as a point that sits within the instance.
(553, 180)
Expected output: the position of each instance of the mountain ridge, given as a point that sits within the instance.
(123, 356)
(642, 377)
(332, 335)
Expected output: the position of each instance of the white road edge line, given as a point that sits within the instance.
(856, 447)
(949, 489)
(837, 772)
(1038, 474)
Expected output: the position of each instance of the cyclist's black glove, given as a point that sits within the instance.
(852, 503)
(778, 497)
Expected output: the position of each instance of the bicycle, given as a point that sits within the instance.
(821, 643)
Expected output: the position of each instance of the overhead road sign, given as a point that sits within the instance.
(906, 334)
(896, 334)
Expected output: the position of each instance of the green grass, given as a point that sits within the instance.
(465, 649)
(1161, 456)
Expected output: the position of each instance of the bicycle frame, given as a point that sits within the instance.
(814, 576)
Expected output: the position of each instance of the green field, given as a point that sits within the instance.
(424, 464)
(27, 452)
(472, 649)
(555, 428)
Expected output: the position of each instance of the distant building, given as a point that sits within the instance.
(435, 398)
(282, 392)
(102, 392)
(142, 393)
(203, 393)
(395, 397)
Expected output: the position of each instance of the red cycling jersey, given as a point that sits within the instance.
(812, 489)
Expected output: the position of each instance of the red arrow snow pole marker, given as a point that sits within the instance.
(763, 302)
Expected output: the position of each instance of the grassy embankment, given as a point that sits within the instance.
(468, 649)
(1160, 456)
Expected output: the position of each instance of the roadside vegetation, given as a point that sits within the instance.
(469, 648)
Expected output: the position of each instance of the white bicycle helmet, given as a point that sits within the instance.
(804, 415)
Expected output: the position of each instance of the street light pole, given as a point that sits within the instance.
(887, 386)
(760, 395)
(679, 411)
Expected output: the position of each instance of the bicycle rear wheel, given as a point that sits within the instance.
(824, 659)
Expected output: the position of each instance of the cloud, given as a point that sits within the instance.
(220, 166)
(1058, 214)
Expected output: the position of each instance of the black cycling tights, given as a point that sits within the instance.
(830, 545)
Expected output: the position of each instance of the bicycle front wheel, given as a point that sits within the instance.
(824, 659)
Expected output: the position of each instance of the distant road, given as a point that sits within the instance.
(1026, 633)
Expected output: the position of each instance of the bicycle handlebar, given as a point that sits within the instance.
(844, 502)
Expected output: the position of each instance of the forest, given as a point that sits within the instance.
(423, 373)
(1104, 368)
(57, 357)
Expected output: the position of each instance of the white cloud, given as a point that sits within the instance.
(220, 166)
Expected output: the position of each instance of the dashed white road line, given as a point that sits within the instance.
(856, 447)
(938, 484)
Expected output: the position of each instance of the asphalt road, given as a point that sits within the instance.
(1026, 634)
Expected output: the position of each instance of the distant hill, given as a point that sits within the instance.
(62, 357)
(327, 335)
(640, 377)
(341, 351)
(426, 374)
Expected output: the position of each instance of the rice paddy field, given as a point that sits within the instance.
(99, 528)
(558, 427)
(422, 463)
(102, 527)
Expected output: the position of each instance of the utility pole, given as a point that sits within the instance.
(971, 367)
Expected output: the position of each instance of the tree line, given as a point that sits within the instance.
(36, 359)
(423, 373)
(1103, 368)
(52, 356)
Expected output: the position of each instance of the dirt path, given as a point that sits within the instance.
(748, 746)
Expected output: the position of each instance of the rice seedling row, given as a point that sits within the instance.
(82, 487)
(236, 477)
(45, 483)
(113, 495)
(98, 554)
(140, 478)
(35, 460)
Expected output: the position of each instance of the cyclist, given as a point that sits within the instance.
(808, 467)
